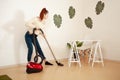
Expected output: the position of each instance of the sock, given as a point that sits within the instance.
(48, 63)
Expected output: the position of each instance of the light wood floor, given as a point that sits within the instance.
(111, 71)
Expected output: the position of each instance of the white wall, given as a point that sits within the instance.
(14, 14)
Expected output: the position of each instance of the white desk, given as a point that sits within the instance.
(95, 47)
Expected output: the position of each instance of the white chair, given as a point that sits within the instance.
(74, 55)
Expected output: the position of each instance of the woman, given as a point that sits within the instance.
(35, 24)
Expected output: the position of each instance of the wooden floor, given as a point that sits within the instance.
(111, 71)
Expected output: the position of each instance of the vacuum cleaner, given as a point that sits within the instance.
(34, 67)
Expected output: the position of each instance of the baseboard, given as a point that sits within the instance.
(11, 66)
(24, 64)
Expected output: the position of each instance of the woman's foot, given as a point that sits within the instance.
(48, 63)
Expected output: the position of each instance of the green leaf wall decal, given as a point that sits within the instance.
(88, 22)
(99, 7)
(71, 12)
(57, 20)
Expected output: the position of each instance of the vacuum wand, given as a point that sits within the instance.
(58, 63)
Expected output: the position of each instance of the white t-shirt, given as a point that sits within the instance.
(35, 23)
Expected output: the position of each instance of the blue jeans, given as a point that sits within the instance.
(29, 41)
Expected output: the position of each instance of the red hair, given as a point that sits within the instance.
(42, 13)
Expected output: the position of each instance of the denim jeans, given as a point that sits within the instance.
(29, 41)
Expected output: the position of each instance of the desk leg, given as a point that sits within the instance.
(96, 52)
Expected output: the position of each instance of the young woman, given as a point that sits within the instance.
(35, 24)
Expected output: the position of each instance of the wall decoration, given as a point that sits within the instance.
(71, 12)
(99, 7)
(57, 20)
(88, 22)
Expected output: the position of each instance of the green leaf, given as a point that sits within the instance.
(57, 20)
(99, 7)
(88, 22)
(79, 44)
(71, 12)
(69, 45)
